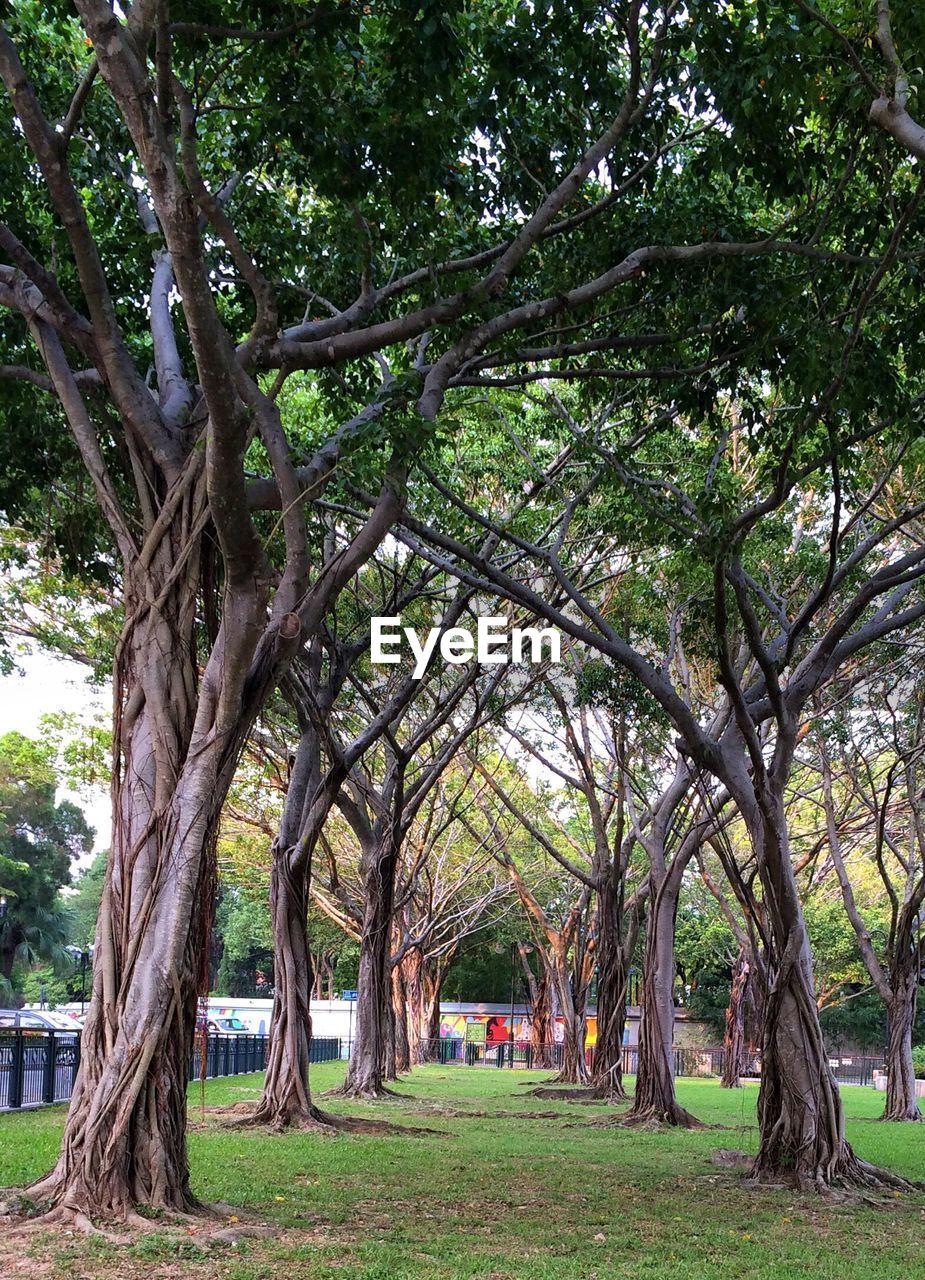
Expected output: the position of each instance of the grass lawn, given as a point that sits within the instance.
(500, 1194)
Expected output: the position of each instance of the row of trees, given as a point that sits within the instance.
(601, 315)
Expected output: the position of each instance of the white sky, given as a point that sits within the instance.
(53, 684)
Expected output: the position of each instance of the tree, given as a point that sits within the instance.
(880, 814)
(592, 749)
(39, 840)
(179, 418)
(84, 904)
(773, 651)
(557, 908)
(381, 804)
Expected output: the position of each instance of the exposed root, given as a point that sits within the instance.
(908, 1118)
(612, 1095)
(851, 1175)
(250, 1115)
(653, 1117)
(362, 1094)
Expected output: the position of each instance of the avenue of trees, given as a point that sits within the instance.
(601, 318)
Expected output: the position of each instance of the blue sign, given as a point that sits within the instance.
(348, 995)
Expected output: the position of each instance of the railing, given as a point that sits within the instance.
(691, 1063)
(521, 1054)
(39, 1067)
(856, 1069)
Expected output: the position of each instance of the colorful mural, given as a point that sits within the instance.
(497, 1028)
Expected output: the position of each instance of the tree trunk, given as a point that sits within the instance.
(416, 1008)
(542, 1032)
(403, 1055)
(366, 1074)
(125, 1137)
(735, 1061)
(901, 1100)
(800, 1114)
(655, 1101)
(286, 1098)
(432, 983)
(607, 1065)
(574, 1069)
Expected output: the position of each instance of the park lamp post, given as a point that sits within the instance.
(81, 956)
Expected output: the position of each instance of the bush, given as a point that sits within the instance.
(918, 1061)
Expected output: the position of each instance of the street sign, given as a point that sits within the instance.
(348, 995)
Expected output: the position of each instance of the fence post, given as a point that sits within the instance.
(51, 1061)
(16, 1071)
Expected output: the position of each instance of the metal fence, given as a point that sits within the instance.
(39, 1067)
(856, 1069)
(703, 1063)
(520, 1054)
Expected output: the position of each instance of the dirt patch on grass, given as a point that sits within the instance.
(451, 1113)
(327, 1123)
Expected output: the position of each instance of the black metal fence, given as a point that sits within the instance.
(522, 1055)
(703, 1063)
(39, 1067)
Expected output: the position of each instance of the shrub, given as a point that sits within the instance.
(918, 1061)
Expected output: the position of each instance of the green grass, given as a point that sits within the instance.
(506, 1196)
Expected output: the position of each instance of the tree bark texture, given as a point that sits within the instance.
(612, 978)
(901, 1100)
(655, 1101)
(366, 1075)
(800, 1112)
(735, 1044)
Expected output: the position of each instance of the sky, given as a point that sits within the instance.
(54, 684)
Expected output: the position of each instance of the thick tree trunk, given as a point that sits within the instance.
(366, 1073)
(655, 1101)
(607, 1065)
(542, 1027)
(734, 1040)
(901, 1100)
(800, 1114)
(125, 1136)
